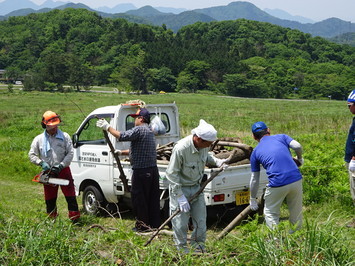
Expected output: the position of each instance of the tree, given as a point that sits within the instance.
(187, 82)
(197, 70)
(80, 73)
(132, 70)
(54, 67)
(161, 79)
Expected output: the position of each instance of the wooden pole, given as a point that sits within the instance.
(122, 175)
(237, 220)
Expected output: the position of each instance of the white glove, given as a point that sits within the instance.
(301, 161)
(118, 152)
(219, 162)
(222, 162)
(253, 204)
(225, 166)
(103, 124)
(352, 166)
(183, 203)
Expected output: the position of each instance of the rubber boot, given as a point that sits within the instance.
(52, 208)
(74, 216)
(53, 214)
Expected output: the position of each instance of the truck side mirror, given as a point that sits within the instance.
(75, 140)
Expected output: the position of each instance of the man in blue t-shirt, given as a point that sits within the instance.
(285, 179)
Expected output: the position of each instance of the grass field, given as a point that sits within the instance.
(28, 237)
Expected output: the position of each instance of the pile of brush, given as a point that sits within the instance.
(223, 148)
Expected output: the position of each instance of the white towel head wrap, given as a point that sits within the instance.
(205, 131)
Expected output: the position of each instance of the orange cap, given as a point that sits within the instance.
(50, 118)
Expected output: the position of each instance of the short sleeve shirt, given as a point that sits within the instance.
(274, 155)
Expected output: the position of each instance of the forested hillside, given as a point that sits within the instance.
(79, 48)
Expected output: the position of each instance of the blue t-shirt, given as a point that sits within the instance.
(274, 155)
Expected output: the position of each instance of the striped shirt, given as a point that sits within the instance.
(142, 153)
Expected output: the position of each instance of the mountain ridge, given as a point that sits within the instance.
(328, 28)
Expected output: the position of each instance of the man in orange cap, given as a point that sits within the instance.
(53, 151)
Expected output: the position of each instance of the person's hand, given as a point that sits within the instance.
(225, 166)
(183, 203)
(103, 124)
(118, 152)
(222, 163)
(352, 166)
(299, 161)
(44, 165)
(57, 168)
(253, 204)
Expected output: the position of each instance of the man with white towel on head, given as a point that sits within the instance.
(185, 172)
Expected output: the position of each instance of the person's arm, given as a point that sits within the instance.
(173, 173)
(69, 151)
(297, 147)
(104, 125)
(114, 132)
(34, 153)
(254, 184)
(254, 187)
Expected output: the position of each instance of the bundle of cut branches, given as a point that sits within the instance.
(223, 148)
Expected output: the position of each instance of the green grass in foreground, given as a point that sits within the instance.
(28, 237)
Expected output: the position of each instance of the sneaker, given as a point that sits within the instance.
(199, 251)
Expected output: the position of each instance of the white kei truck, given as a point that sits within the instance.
(97, 176)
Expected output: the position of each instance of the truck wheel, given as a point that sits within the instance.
(93, 201)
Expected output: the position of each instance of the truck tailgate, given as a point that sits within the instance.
(235, 179)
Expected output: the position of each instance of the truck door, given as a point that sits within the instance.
(92, 158)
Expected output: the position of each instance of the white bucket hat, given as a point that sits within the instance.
(205, 131)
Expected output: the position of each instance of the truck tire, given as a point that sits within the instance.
(93, 201)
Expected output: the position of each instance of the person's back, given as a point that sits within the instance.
(143, 147)
(274, 155)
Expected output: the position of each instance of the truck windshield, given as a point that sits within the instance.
(90, 133)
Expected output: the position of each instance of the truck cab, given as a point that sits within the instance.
(94, 168)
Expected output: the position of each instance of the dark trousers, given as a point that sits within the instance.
(51, 193)
(145, 197)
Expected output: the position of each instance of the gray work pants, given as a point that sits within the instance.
(274, 197)
(181, 221)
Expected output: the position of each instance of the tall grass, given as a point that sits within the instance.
(315, 244)
(28, 237)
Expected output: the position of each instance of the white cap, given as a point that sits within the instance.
(205, 131)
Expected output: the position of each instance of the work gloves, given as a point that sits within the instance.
(103, 124)
(222, 163)
(183, 203)
(57, 168)
(352, 166)
(45, 166)
(253, 204)
(299, 161)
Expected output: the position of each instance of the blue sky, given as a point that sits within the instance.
(316, 10)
